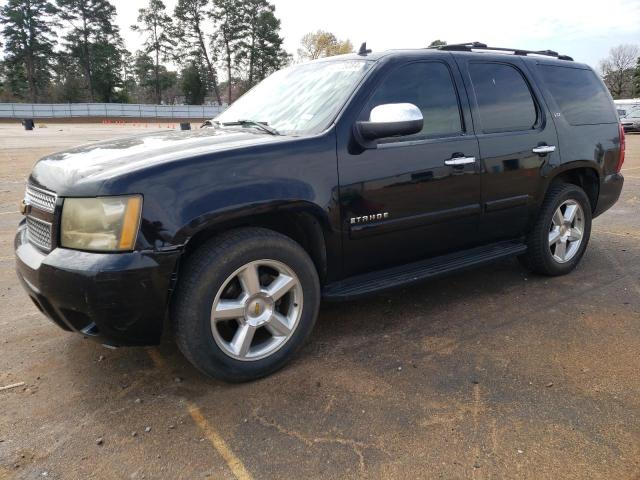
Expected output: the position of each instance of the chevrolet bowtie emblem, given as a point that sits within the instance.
(25, 208)
(257, 309)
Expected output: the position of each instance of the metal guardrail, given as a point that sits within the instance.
(106, 110)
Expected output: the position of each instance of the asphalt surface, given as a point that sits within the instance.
(494, 373)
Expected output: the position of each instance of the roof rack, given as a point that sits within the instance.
(471, 46)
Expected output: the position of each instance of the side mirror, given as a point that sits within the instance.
(390, 120)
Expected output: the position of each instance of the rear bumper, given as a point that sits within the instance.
(610, 188)
(118, 299)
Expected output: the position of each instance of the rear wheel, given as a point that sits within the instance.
(246, 302)
(561, 233)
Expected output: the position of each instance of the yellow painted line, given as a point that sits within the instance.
(234, 463)
(630, 176)
(630, 168)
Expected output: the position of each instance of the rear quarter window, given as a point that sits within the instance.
(581, 97)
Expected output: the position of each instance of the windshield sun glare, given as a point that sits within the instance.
(302, 99)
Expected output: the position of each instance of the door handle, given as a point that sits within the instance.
(457, 161)
(542, 149)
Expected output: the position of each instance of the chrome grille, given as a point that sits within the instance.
(40, 198)
(39, 233)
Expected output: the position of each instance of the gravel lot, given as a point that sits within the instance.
(493, 373)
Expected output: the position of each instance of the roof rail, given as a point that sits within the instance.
(471, 46)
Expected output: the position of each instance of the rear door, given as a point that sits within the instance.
(516, 136)
(407, 199)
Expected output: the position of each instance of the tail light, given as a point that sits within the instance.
(622, 149)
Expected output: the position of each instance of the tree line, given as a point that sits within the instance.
(67, 51)
(213, 50)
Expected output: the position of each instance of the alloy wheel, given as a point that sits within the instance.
(256, 310)
(566, 231)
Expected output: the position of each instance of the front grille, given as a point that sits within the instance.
(40, 198)
(39, 233)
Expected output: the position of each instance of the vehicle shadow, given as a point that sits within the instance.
(380, 329)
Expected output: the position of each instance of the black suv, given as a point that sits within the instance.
(332, 179)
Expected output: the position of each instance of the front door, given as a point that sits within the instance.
(416, 196)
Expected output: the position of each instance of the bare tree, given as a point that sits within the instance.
(618, 68)
(322, 44)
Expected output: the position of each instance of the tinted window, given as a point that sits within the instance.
(428, 86)
(581, 97)
(504, 100)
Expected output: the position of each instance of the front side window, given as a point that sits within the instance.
(429, 86)
(504, 100)
(303, 99)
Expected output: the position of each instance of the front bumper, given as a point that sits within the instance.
(117, 298)
(610, 188)
(630, 127)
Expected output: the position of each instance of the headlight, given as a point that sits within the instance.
(104, 224)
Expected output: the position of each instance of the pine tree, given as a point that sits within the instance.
(28, 29)
(190, 16)
(69, 85)
(228, 18)
(145, 75)
(193, 84)
(154, 22)
(106, 54)
(128, 76)
(3, 81)
(262, 46)
(268, 52)
(93, 37)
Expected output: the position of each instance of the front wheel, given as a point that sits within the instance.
(246, 302)
(561, 233)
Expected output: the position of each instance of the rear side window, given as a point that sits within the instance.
(581, 97)
(428, 86)
(504, 100)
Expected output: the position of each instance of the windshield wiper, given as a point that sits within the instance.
(252, 123)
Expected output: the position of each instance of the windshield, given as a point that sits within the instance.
(298, 100)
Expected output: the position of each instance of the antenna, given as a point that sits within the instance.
(363, 49)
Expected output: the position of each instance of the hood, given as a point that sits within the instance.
(97, 162)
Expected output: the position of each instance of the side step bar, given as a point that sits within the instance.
(365, 284)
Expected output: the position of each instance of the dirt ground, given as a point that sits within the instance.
(493, 373)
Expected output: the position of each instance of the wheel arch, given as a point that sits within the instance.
(581, 173)
(303, 222)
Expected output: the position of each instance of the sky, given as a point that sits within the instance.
(584, 29)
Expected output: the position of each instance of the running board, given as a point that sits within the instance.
(362, 285)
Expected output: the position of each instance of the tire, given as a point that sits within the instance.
(544, 258)
(215, 284)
